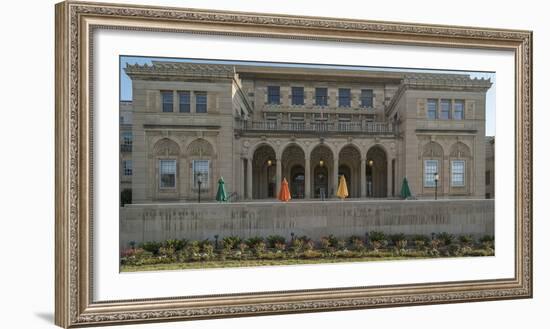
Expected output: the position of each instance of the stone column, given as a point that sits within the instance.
(278, 178)
(363, 176)
(249, 178)
(334, 177)
(388, 173)
(307, 180)
(242, 174)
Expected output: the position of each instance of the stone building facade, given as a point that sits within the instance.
(255, 125)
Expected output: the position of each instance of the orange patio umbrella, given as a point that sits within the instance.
(284, 193)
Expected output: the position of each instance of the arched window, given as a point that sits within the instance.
(432, 155)
(459, 160)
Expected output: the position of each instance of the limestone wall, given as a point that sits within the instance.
(141, 223)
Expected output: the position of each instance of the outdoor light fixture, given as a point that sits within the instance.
(371, 163)
(321, 162)
(269, 162)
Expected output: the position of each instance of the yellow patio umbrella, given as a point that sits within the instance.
(284, 193)
(342, 192)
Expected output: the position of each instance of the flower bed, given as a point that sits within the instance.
(236, 251)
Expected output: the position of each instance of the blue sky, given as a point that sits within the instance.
(126, 83)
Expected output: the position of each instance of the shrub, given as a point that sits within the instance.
(324, 243)
(454, 249)
(297, 245)
(401, 244)
(445, 238)
(395, 238)
(309, 245)
(207, 248)
(357, 243)
(253, 241)
(333, 241)
(151, 246)
(259, 248)
(177, 245)
(280, 246)
(435, 243)
(466, 239)
(192, 250)
(242, 247)
(488, 241)
(273, 240)
(231, 242)
(377, 236)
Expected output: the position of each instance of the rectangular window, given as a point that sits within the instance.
(127, 167)
(344, 97)
(458, 112)
(167, 101)
(487, 177)
(185, 101)
(127, 141)
(445, 109)
(366, 98)
(458, 168)
(273, 95)
(430, 169)
(201, 170)
(321, 96)
(200, 99)
(297, 95)
(432, 109)
(167, 173)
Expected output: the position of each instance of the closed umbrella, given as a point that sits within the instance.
(221, 196)
(284, 193)
(342, 192)
(405, 189)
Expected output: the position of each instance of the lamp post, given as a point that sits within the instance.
(436, 179)
(199, 182)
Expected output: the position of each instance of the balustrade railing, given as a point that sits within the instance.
(292, 126)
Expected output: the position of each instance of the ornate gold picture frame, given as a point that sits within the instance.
(76, 22)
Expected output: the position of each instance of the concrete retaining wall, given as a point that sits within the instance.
(159, 222)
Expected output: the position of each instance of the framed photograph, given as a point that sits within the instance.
(218, 164)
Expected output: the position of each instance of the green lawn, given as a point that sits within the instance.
(254, 262)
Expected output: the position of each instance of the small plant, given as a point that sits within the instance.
(401, 244)
(324, 243)
(395, 238)
(273, 240)
(207, 248)
(487, 241)
(242, 247)
(175, 244)
(435, 243)
(341, 244)
(192, 250)
(259, 248)
(280, 246)
(253, 241)
(377, 236)
(445, 238)
(357, 243)
(466, 240)
(297, 245)
(454, 249)
(230, 242)
(309, 245)
(151, 246)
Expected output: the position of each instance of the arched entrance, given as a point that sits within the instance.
(322, 162)
(263, 173)
(293, 164)
(350, 166)
(297, 183)
(377, 168)
(320, 182)
(344, 170)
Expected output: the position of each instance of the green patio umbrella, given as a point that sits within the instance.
(221, 196)
(405, 189)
